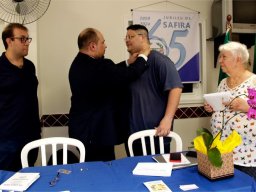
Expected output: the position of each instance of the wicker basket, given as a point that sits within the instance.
(206, 168)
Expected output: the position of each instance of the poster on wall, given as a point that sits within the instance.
(176, 35)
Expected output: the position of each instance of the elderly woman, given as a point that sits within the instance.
(233, 60)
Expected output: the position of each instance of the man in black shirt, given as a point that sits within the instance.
(98, 113)
(19, 115)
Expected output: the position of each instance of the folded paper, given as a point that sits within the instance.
(153, 169)
(216, 99)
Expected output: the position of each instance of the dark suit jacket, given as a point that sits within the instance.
(99, 108)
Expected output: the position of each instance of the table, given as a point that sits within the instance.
(117, 176)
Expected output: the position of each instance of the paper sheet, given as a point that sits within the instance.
(19, 181)
(188, 187)
(216, 99)
(157, 186)
(153, 169)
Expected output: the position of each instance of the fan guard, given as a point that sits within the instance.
(22, 11)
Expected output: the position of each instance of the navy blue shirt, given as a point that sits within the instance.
(150, 92)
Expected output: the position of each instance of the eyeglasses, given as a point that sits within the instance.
(129, 37)
(55, 179)
(23, 39)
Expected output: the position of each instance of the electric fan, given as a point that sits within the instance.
(22, 11)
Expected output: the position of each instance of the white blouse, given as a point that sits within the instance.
(245, 153)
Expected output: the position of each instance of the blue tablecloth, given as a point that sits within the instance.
(117, 176)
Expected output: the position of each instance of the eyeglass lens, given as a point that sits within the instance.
(129, 37)
(23, 39)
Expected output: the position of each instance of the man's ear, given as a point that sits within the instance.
(92, 45)
(8, 40)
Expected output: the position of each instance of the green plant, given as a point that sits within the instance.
(213, 146)
(213, 153)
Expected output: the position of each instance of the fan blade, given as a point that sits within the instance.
(17, 8)
(22, 11)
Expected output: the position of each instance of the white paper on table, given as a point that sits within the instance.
(216, 99)
(153, 169)
(188, 187)
(157, 186)
(19, 181)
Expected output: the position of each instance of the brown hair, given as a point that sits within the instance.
(8, 31)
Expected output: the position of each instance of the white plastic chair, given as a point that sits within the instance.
(53, 142)
(151, 134)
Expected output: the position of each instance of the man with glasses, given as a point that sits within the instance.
(19, 114)
(156, 94)
(97, 114)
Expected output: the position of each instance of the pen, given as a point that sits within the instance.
(55, 179)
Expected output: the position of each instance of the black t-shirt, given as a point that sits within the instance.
(19, 114)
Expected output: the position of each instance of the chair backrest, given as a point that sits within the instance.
(62, 142)
(151, 134)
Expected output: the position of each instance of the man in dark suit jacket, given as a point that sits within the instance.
(97, 114)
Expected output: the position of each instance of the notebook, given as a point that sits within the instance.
(185, 161)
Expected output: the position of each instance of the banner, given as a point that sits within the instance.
(176, 35)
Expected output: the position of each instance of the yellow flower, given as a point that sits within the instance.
(199, 144)
(232, 141)
(226, 146)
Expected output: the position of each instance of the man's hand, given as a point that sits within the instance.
(164, 127)
(132, 58)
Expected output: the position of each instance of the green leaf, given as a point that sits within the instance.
(220, 132)
(201, 131)
(214, 157)
(208, 138)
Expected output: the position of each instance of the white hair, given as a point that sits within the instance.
(237, 50)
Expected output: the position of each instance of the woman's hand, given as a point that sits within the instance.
(238, 104)
(208, 108)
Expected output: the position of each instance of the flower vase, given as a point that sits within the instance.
(212, 172)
